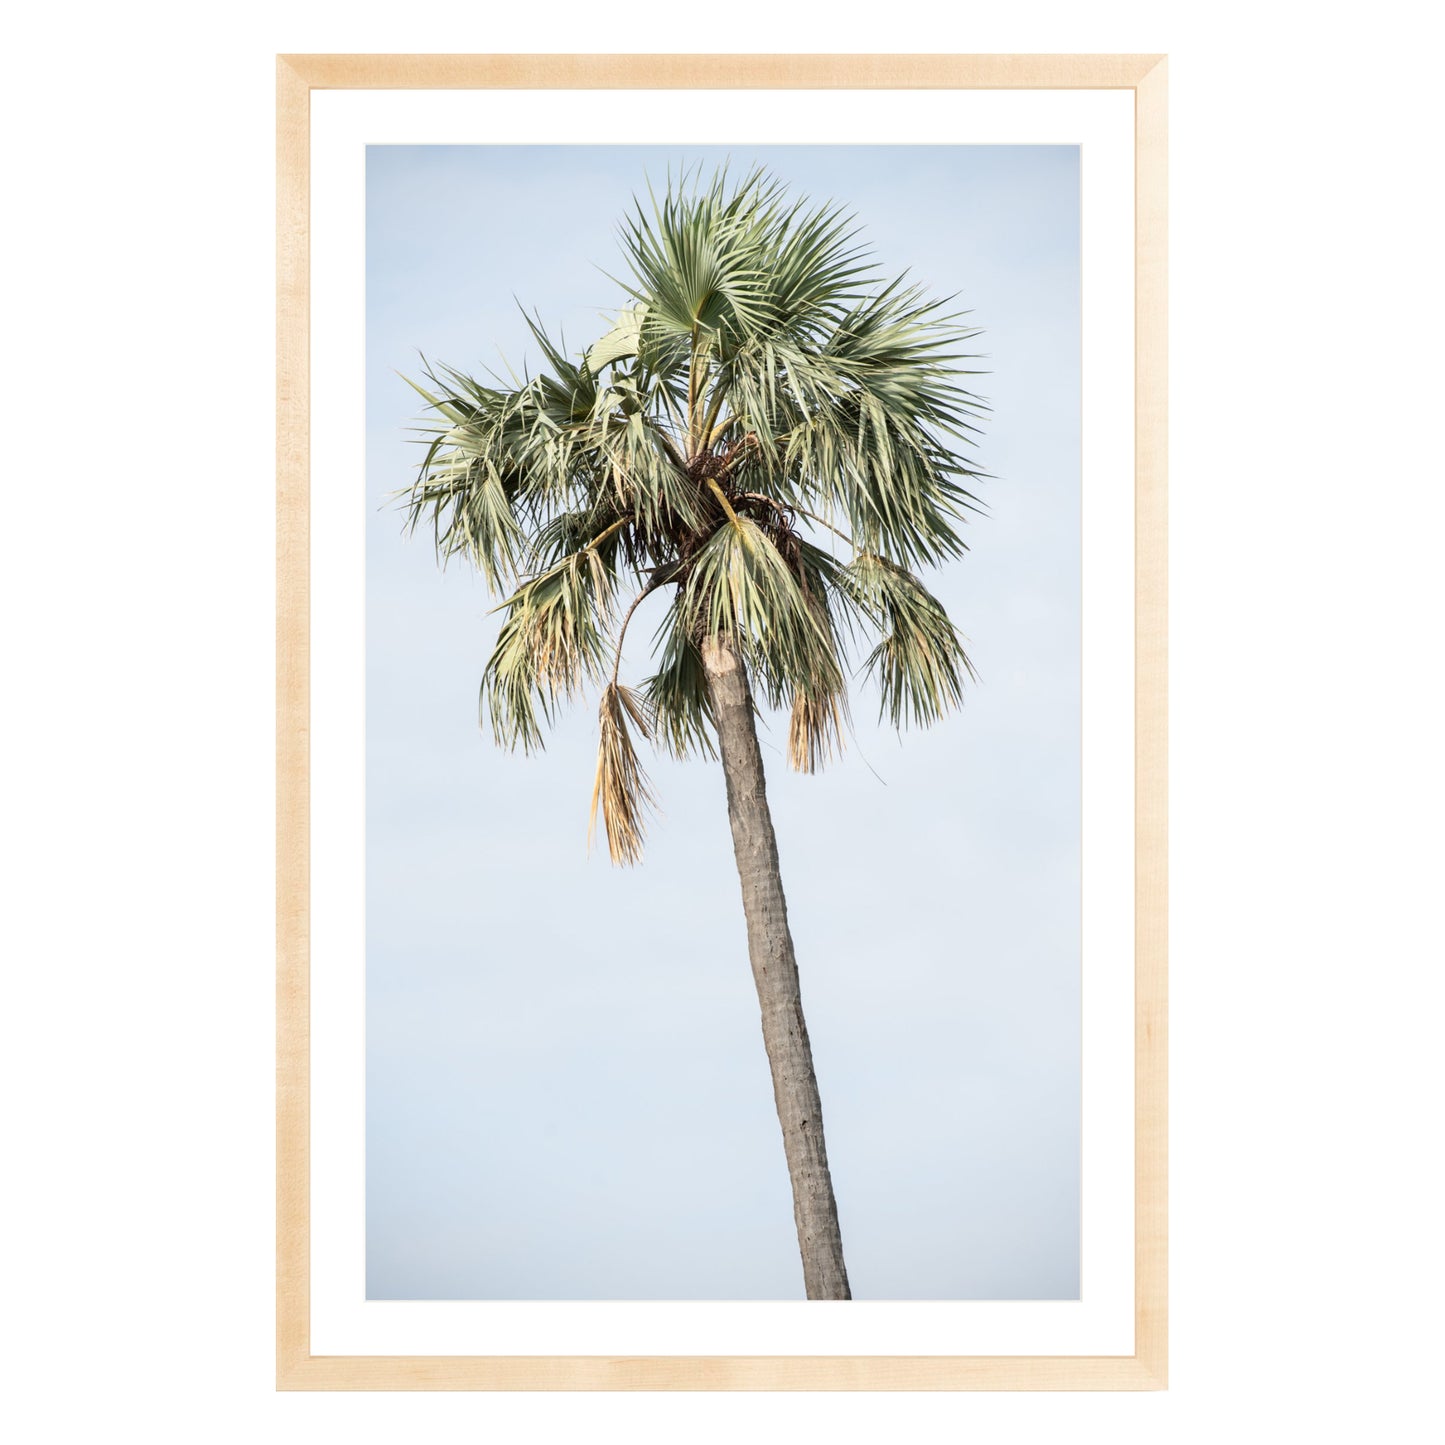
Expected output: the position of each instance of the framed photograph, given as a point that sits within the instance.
(721, 689)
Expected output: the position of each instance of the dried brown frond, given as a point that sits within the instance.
(621, 786)
(815, 733)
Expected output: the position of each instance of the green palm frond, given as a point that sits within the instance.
(919, 662)
(554, 640)
(469, 484)
(677, 692)
(741, 586)
(762, 384)
(698, 260)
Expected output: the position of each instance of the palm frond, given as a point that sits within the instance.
(741, 586)
(553, 640)
(621, 787)
(677, 694)
(698, 259)
(467, 486)
(920, 662)
(815, 729)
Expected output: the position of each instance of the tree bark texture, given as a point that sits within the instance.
(775, 972)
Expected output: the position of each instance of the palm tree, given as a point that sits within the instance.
(769, 432)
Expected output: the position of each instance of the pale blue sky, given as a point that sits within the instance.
(567, 1094)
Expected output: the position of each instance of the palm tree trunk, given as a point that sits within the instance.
(775, 971)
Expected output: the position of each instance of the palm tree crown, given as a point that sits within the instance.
(764, 403)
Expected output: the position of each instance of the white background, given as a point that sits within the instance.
(1307, 520)
(343, 1320)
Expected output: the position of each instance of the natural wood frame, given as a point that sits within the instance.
(296, 1367)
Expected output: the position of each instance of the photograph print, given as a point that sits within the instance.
(723, 538)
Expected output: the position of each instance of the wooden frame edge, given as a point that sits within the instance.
(700, 72)
(684, 1373)
(293, 711)
(1151, 723)
(296, 1367)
